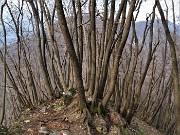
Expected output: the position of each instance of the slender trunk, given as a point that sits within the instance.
(108, 49)
(174, 67)
(54, 45)
(93, 46)
(70, 48)
(44, 68)
(98, 75)
(80, 28)
(119, 53)
(5, 69)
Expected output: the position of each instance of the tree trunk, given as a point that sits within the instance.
(5, 69)
(174, 67)
(43, 66)
(70, 48)
(93, 46)
(119, 53)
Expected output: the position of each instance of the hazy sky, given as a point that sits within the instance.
(146, 7)
(144, 10)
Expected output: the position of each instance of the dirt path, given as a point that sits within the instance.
(55, 117)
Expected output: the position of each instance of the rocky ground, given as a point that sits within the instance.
(54, 117)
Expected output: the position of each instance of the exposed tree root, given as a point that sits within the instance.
(97, 109)
(96, 118)
(89, 129)
(87, 115)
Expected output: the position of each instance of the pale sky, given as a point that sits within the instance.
(146, 7)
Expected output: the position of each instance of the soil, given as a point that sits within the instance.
(147, 129)
(56, 116)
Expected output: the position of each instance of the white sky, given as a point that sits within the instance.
(146, 8)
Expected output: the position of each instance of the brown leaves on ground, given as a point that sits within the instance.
(147, 129)
(116, 118)
(57, 116)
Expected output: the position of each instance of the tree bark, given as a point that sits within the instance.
(42, 61)
(5, 68)
(93, 46)
(70, 48)
(119, 53)
(174, 67)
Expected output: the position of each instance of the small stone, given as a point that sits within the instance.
(67, 93)
(54, 133)
(65, 132)
(114, 130)
(89, 99)
(44, 130)
(43, 110)
(30, 130)
(27, 121)
(66, 119)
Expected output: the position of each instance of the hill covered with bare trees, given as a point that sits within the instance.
(95, 66)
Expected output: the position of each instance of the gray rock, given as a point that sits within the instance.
(65, 132)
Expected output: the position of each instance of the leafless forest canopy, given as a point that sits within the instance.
(108, 58)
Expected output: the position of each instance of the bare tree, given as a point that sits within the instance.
(100, 52)
(174, 67)
(73, 57)
(5, 69)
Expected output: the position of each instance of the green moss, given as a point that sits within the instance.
(27, 110)
(25, 117)
(4, 130)
(141, 131)
(97, 109)
(125, 131)
(59, 106)
(15, 128)
(136, 130)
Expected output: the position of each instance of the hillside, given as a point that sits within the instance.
(87, 74)
(55, 117)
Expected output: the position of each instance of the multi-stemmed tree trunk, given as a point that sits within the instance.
(111, 64)
(53, 42)
(73, 57)
(109, 44)
(121, 44)
(41, 53)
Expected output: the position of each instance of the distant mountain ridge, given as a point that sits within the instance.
(140, 25)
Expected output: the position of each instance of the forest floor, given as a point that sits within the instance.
(55, 117)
